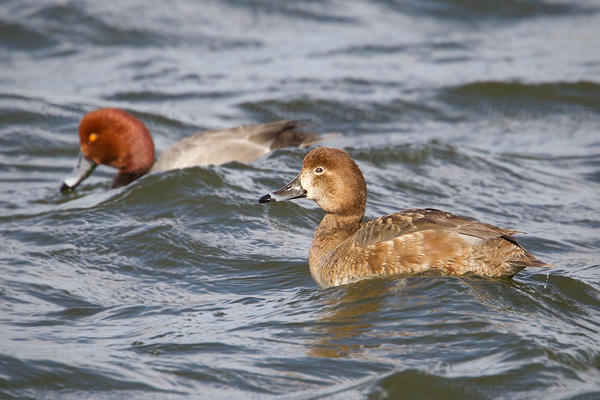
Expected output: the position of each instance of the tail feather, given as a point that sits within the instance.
(293, 137)
(280, 134)
(526, 260)
(310, 141)
(530, 263)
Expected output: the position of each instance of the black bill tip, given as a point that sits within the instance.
(265, 199)
(65, 188)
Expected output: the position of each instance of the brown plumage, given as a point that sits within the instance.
(345, 249)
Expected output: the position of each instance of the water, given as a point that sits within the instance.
(182, 285)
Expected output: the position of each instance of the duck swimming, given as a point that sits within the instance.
(345, 249)
(114, 137)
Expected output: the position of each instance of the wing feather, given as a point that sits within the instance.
(414, 220)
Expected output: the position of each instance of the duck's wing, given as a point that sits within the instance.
(410, 221)
(415, 240)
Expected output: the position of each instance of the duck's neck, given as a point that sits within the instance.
(138, 160)
(335, 229)
(137, 165)
(332, 232)
(125, 178)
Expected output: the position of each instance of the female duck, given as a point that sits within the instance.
(345, 249)
(114, 137)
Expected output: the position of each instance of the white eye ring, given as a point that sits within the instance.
(319, 170)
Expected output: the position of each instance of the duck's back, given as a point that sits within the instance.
(418, 240)
(244, 144)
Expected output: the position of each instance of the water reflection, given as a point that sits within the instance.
(345, 326)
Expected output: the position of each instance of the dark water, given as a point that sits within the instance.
(182, 285)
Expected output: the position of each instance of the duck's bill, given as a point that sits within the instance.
(292, 190)
(82, 170)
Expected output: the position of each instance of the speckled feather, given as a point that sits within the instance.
(416, 240)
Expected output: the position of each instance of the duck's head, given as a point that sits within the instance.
(111, 136)
(331, 178)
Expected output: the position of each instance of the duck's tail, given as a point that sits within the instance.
(526, 260)
(289, 134)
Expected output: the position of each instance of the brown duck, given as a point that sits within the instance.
(345, 249)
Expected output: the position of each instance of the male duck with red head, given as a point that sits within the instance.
(113, 137)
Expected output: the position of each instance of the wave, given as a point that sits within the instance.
(476, 12)
(79, 23)
(22, 37)
(525, 100)
(323, 112)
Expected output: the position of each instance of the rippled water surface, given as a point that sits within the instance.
(182, 285)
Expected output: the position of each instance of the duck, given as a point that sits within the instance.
(346, 249)
(114, 137)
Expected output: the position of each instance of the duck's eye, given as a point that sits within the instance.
(319, 170)
(92, 138)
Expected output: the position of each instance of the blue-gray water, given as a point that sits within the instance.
(182, 285)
